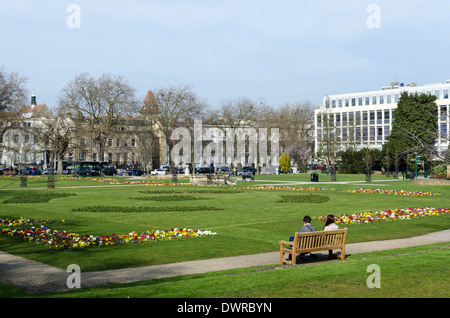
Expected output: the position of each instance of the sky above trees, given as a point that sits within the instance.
(271, 50)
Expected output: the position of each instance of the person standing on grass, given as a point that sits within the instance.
(330, 226)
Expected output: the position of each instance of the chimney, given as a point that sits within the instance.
(33, 100)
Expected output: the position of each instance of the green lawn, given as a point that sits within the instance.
(246, 222)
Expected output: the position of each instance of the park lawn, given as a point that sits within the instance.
(416, 272)
(250, 222)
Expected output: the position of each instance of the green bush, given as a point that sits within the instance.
(171, 198)
(310, 198)
(37, 197)
(124, 209)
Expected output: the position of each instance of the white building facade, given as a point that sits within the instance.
(364, 120)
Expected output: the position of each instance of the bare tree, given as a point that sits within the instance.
(57, 135)
(99, 103)
(13, 95)
(328, 145)
(176, 107)
(296, 131)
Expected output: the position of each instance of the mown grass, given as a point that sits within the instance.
(247, 222)
(417, 272)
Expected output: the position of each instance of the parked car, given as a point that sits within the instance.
(29, 171)
(109, 171)
(244, 172)
(49, 171)
(158, 172)
(83, 171)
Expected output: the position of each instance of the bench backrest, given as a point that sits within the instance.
(320, 240)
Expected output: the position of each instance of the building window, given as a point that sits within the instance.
(133, 142)
(94, 156)
(367, 101)
(319, 135)
(346, 102)
(360, 101)
(16, 138)
(27, 138)
(94, 143)
(351, 118)
(396, 98)
(340, 103)
(437, 93)
(338, 120)
(110, 142)
(443, 113)
(382, 99)
(110, 158)
(379, 117)
(82, 156)
(379, 133)
(358, 134)
(372, 133)
(83, 142)
(443, 131)
(372, 117)
(358, 118)
(344, 119)
(319, 120)
(389, 99)
(364, 116)
(387, 131)
(374, 100)
(118, 142)
(333, 103)
(353, 101)
(386, 116)
(445, 93)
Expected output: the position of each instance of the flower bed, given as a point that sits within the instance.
(387, 215)
(394, 192)
(263, 187)
(65, 240)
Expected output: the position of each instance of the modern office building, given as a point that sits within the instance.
(362, 120)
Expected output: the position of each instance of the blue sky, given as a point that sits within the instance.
(270, 50)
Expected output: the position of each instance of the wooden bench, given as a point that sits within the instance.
(312, 242)
(248, 176)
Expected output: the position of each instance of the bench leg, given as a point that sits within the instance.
(343, 254)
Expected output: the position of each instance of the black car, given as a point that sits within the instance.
(83, 171)
(109, 171)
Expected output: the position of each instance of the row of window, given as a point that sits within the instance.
(372, 133)
(357, 134)
(370, 117)
(120, 158)
(378, 99)
(118, 143)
